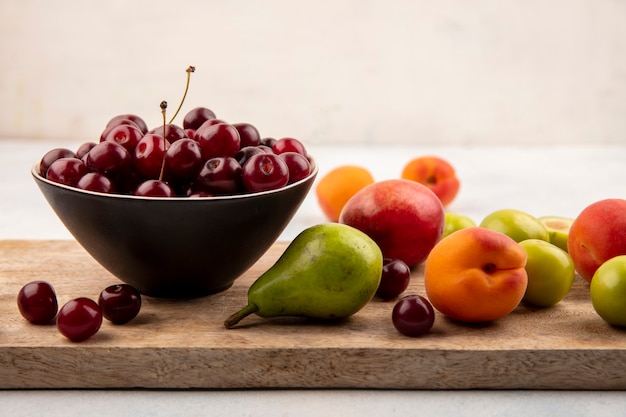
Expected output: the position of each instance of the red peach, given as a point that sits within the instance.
(435, 173)
(405, 218)
(597, 235)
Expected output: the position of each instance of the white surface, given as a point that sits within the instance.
(351, 71)
(558, 180)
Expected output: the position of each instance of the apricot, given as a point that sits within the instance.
(476, 275)
(336, 187)
(435, 173)
(597, 234)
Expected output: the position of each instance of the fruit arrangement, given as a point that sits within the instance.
(202, 157)
(478, 272)
(379, 231)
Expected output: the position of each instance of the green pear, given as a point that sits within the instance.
(329, 271)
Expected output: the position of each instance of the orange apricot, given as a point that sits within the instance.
(476, 275)
(336, 187)
(435, 173)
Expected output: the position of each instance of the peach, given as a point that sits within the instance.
(476, 275)
(405, 218)
(435, 173)
(597, 235)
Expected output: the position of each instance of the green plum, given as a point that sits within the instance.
(455, 221)
(550, 272)
(558, 229)
(516, 224)
(608, 291)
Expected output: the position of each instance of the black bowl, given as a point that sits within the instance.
(175, 247)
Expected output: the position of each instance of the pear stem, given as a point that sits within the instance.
(236, 318)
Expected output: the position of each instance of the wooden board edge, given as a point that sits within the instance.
(317, 368)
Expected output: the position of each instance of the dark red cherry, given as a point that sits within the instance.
(248, 134)
(79, 319)
(84, 149)
(133, 118)
(148, 155)
(246, 152)
(395, 278)
(269, 142)
(220, 175)
(114, 124)
(172, 132)
(37, 302)
(94, 181)
(52, 156)
(288, 145)
(263, 172)
(120, 303)
(154, 188)
(218, 140)
(183, 160)
(195, 117)
(298, 164)
(109, 158)
(67, 171)
(126, 135)
(413, 315)
(206, 125)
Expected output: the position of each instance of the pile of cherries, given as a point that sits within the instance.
(79, 318)
(204, 157)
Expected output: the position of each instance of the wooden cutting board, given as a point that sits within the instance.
(183, 344)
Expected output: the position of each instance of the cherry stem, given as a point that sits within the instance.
(163, 109)
(232, 321)
(189, 71)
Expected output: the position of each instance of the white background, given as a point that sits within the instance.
(523, 96)
(347, 71)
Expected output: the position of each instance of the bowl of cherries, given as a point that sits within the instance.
(177, 211)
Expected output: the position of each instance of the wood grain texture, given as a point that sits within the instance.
(183, 344)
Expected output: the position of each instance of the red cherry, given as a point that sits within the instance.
(37, 302)
(413, 315)
(148, 155)
(218, 140)
(298, 164)
(264, 172)
(52, 156)
(120, 303)
(221, 175)
(183, 159)
(126, 135)
(79, 319)
(109, 158)
(248, 134)
(97, 182)
(67, 171)
(395, 278)
(195, 117)
(288, 145)
(130, 117)
(172, 132)
(154, 188)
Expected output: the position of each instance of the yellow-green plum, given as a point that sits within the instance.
(558, 229)
(455, 221)
(608, 291)
(516, 224)
(550, 273)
